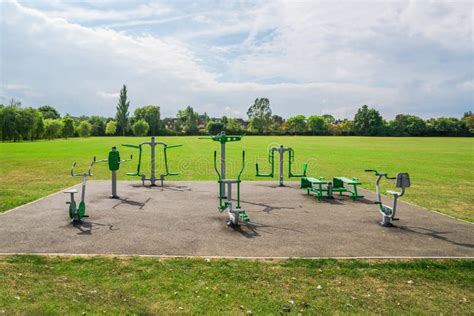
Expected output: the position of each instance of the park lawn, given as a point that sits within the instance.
(138, 285)
(441, 169)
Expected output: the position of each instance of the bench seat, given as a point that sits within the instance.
(338, 186)
(316, 185)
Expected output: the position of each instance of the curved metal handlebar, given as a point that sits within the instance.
(241, 170)
(88, 173)
(381, 174)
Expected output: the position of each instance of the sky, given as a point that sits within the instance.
(307, 57)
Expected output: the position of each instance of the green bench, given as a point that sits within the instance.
(316, 186)
(338, 186)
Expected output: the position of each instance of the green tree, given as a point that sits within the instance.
(151, 115)
(317, 125)
(446, 126)
(49, 112)
(260, 115)
(334, 129)
(111, 128)
(276, 126)
(140, 128)
(367, 122)
(38, 126)
(347, 127)
(329, 118)
(98, 125)
(122, 112)
(53, 128)
(408, 125)
(189, 120)
(296, 124)
(68, 127)
(8, 126)
(84, 129)
(233, 126)
(468, 119)
(214, 128)
(25, 120)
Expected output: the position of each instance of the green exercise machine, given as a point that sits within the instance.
(114, 163)
(152, 143)
(78, 213)
(235, 213)
(388, 212)
(222, 138)
(271, 159)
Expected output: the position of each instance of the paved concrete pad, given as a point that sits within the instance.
(182, 219)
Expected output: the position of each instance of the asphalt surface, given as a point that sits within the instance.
(181, 219)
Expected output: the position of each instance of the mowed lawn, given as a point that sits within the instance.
(441, 169)
(76, 285)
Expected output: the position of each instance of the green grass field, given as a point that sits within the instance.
(75, 285)
(441, 169)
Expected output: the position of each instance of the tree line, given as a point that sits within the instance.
(25, 123)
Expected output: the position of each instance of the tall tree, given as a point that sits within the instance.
(122, 111)
(367, 122)
(260, 115)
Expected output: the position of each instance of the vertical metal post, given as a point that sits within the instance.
(152, 167)
(114, 184)
(223, 168)
(83, 193)
(281, 150)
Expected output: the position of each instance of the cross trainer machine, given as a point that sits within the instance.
(222, 138)
(78, 213)
(237, 213)
(388, 212)
(113, 162)
(271, 159)
(152, 143)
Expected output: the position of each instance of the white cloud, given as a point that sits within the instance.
(307, 57)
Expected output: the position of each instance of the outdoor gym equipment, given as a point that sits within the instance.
(78, 213)
(152, 178)
(388, 213)
(237, 213)
(223, 139)
(271, 159)
(114, 162)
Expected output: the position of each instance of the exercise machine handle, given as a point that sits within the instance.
(80, 174)
(173, 146)
(215, 165)
(381, 174)
(243, 165)
(132, 146)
